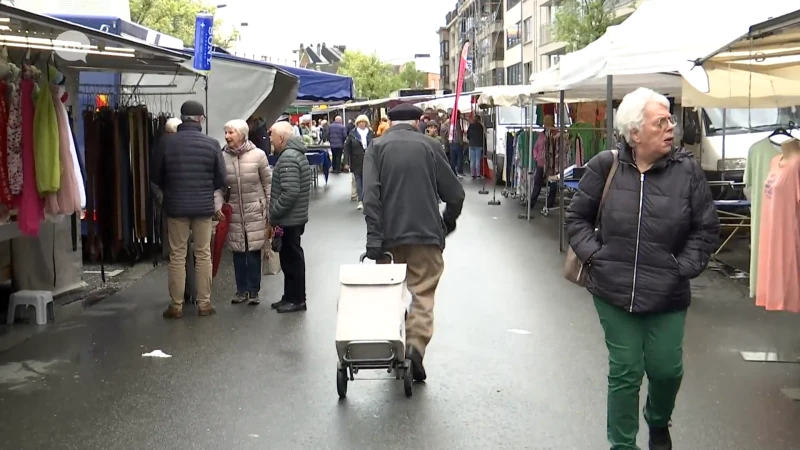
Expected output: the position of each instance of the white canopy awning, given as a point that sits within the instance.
(759, 70)
(644, 46)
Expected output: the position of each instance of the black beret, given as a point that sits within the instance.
(405, 111)
(192, 108)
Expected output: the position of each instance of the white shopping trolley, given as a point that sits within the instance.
(370, 322)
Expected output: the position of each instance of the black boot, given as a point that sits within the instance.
(660, 438)
(291, 307)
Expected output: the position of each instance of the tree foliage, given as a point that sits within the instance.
(376, 79)
(581, 22)
(411, 77)
(177, 17)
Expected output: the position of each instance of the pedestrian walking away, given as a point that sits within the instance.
(288, 208)
(405, 174)
(354, 147)
(475, 139)
(188, 168)
(655, 230)
(249, 178)
(337, 134)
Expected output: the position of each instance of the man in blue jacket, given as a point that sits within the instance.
(337, 134)
(188, 168)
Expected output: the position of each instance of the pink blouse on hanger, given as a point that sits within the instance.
(30, 211)
(778, 287)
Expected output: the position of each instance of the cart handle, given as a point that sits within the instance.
(364, 256)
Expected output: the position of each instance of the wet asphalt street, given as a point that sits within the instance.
(517, 360)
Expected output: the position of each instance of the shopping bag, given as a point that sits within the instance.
(270, 261)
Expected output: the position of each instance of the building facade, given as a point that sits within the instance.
(515, 39)
(321, 57)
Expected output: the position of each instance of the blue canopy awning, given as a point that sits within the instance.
(321, 86)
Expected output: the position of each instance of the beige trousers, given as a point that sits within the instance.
(178, 230)
(353, 194)
(424, 269)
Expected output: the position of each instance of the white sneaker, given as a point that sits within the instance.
(360, 206)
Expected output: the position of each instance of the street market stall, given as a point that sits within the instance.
(761, 69)
(46, 253)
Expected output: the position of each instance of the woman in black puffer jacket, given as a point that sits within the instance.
(658, 230)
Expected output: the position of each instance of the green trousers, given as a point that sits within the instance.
(639, 344)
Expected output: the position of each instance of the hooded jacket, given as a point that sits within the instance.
(657, 230)
(291, 186)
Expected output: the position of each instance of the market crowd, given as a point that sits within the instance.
(659, 226)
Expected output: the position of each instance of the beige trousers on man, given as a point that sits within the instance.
(178, 230)
(424, 269)
(353, 194)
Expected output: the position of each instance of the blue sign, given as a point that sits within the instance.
(203, 41)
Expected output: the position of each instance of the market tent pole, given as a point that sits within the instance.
(562, 144)
(528, 176)
(610, 142)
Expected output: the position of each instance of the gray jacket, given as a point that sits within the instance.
(291, 186)
(405, 174)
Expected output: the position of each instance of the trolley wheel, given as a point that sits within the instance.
(545, 212)
(408, 380)
(341, 381)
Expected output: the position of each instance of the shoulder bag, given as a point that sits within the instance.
(573, 267)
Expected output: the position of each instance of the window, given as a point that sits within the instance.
(527, 31)
(511, 3)
(512, 36)
(444, 46)
(514, 74)
(528, 72)
(743, 120)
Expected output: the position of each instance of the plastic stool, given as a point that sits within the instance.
(41, 300)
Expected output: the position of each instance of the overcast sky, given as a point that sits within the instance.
(396, 30)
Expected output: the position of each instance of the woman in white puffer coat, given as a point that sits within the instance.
(249, 179)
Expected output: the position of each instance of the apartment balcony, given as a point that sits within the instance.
(499, 50)
(547, 41)
(545, 34)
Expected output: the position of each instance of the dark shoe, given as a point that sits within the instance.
(254, 300)
(278, 304)
(239, 298)
(417, 369)
(660, 438)
(292, 307)
(173, 312)
(206, 310)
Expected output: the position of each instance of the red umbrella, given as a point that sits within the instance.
(220, 236)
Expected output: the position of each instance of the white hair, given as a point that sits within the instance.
(172, 124)
(238, 125)
(630, 114)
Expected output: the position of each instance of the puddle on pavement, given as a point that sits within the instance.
(26, 375)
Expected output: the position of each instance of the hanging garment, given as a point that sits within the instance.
(778, 286)
(67, 199)
(5, 187)
(77, 170)
(759, 161)
(14, 140)
(30, 210)
(46, 156)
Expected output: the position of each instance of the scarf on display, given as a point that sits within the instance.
(246, 146)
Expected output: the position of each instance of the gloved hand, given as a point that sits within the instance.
(374, 253)
(449, 226)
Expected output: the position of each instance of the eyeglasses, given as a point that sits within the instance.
(671, 120)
